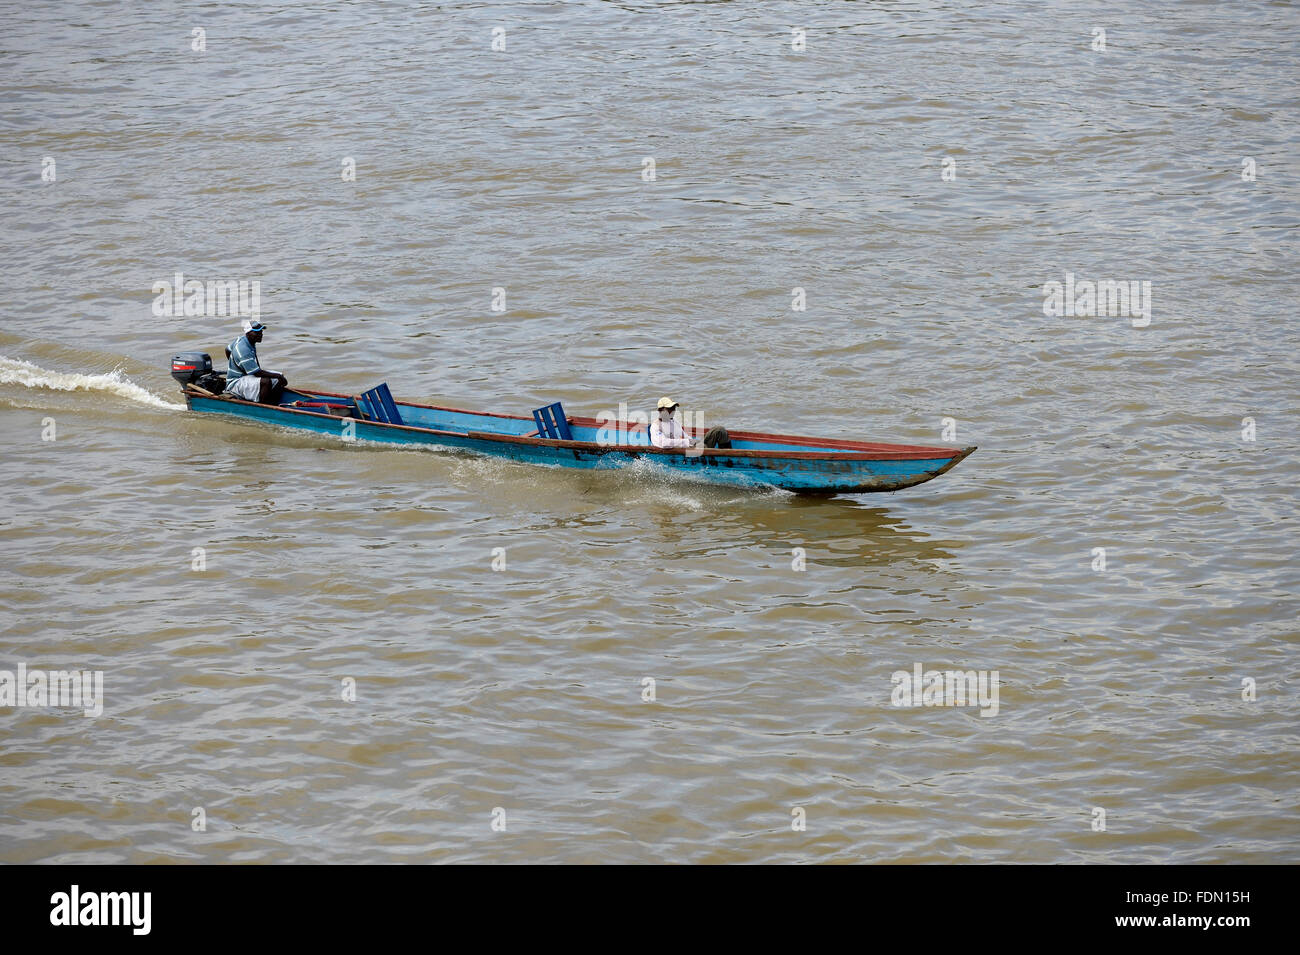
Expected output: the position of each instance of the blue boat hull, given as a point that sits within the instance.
(760, 461)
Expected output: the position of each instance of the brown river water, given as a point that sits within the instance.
(654, 675)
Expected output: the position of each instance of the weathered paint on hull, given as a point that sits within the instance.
(789, 473)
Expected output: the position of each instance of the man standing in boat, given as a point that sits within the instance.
(667, 432)
(244, 375)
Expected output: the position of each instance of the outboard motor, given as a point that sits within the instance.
(190, 366)
(195, 368)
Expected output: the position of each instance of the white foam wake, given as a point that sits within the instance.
(15, 371)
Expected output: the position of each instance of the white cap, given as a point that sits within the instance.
(666, 402)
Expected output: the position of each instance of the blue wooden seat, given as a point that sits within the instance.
(552, 423)
(378, 404)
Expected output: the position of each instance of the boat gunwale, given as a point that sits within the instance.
(868, 451)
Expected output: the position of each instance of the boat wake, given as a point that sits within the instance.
(648, 482)
(640, 481)
(15, 371)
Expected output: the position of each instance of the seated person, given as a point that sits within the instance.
(245, 377)
(667, 432)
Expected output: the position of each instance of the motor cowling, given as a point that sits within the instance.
(190, 366)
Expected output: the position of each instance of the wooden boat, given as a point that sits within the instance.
(799, 464)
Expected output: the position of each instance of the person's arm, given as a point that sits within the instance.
(660, 440)
(259, 372)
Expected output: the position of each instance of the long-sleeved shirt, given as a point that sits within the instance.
(668, 434)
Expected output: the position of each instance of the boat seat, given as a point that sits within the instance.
(552, 423)
(377, 404)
